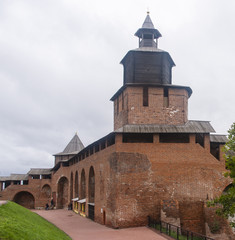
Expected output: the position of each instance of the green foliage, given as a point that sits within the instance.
(229, 150)
(226, 201)
(17, 222)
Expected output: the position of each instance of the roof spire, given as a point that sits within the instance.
(148, 34)
(148, 11)
(148, 22)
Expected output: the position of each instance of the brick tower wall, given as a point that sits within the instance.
(129, 109)
(185, 172)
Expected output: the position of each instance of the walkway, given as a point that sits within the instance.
(2, 202)
(80, 228)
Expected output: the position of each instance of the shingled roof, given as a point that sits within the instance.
(14, 177)
(39, 171)
(73, 147)
(215, 138)
(148, 22)
(148, 27)
(189, 127)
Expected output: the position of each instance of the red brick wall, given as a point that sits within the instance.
(185, 172)
(129, 109)
(131, 179)
(35, 187)
(192, 216)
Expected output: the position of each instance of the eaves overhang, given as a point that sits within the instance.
(188, 89)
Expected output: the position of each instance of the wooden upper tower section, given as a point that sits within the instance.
(147, 95)
(147, 64)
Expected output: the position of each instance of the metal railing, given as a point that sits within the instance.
(175, 231)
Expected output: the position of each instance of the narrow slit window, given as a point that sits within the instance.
(166, 98)
(117, 105)
(122, 101)
(145, 97)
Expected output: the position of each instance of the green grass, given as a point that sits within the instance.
(19, 223)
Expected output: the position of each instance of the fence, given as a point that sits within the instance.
(175, 231)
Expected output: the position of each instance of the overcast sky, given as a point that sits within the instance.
(59, 66)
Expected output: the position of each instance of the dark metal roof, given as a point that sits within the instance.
(148, 22)
(73, 147)
(15, 177)
(189, 90)
(39, 171)
(149, 50)
(189, 127)
(218, 138)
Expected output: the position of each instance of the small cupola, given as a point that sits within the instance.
(148, 35)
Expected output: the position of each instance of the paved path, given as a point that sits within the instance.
(80, 228)
(2, 202)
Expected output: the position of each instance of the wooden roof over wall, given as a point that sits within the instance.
(190, 127)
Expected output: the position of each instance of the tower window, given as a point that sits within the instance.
(117, 104)
(122, 101)
(174, 138)
(145, 97)
(166, 97)
(137, 138)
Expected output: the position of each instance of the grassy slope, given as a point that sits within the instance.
(17, 222)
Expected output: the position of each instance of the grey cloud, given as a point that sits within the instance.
(59, 66)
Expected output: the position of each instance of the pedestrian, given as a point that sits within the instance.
(52, 203)
(47, 206)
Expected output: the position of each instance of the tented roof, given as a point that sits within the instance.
(73, 147)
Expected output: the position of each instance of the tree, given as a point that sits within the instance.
(226, 201)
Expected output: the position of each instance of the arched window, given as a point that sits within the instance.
(71, 186)
(46, 191)
(62, 192)
(91, 194)
(91, 186)
(83, 185)
(76, 185)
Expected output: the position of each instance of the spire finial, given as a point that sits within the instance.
(148, 11)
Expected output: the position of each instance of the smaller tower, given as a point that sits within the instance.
(74, 146)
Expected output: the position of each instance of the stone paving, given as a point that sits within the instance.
(80, 228)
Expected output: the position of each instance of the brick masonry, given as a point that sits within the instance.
(129, 109)
(125, 182)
